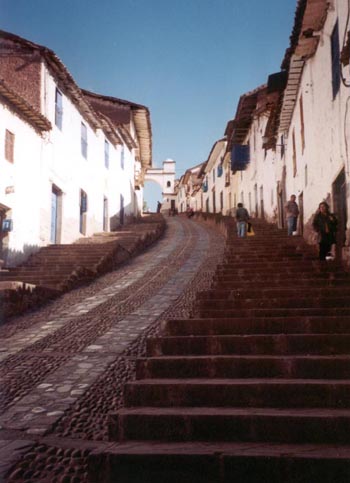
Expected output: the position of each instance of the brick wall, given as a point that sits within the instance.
(21, 70)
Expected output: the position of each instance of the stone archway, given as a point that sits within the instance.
(165, 178)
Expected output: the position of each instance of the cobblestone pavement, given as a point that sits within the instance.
(63, 367)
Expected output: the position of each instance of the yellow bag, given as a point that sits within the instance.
(250, 231)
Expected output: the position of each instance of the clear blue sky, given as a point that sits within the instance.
(187, 60)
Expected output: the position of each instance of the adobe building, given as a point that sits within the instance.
(73, 161)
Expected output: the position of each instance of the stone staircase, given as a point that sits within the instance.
(254, 388)
(54, 269)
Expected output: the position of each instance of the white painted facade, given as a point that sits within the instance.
(255, 186)
(311, 153)
(326, 125)
(52, 165)
(214, 197)
(19, 183)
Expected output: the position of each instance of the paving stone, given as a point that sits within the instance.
(88, 364)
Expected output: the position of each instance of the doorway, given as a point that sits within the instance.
(82, 212)
(105, 214)
(280, 206)
(4, 232)
(301, 213)
(122, 211)
(340, 211)
(262, 209)
(56, 207)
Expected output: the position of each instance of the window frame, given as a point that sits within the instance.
(335, 59)
(58, 109)
(84, 140)
(106, 151)
(9, 146)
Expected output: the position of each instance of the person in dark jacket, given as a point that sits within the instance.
(242, 218)
(292, 213)
(325, 224)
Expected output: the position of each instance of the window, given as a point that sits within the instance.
(282, 146)
(122, 157)
(335, 52)
(58, 109)
(83, 210)
(105, 214)
(84, 143)
(168, 184)
(106, 154)
(302, 129)
(221, 201)
(306, 175)
(294, 155)
(9, 146)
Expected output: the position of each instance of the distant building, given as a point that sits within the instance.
(189, 189)
(214, 179)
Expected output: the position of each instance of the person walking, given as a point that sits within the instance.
(292, 213)
(242, 218)
(325, 225)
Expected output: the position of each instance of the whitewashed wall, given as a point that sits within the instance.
(55, 159)
(22, 179)
(326, 121)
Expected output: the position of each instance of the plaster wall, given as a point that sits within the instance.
(20, 183)
(326, 126)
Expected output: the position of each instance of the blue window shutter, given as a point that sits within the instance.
(58, 109)
(84, 144)
(83, 202)
(240, 157)
(335, 51)
(106, 154)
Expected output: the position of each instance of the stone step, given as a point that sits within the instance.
(228, 283)
(281, 277)
(219, 462)
(267, 264)
(46, 270)
(272, 272)
(274, 312)
(36, 279)
(276, 344)
(246, 326)
(245, 392)
(231, 424)
(307, 302)
(219, 293)
(292, 367)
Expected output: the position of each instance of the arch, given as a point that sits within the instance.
(165, 178)
(152, 193)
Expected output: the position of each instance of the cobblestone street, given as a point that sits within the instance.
(64, 366)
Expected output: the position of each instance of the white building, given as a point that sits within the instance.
(314, 120)
(214, 179)
(73, 162)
